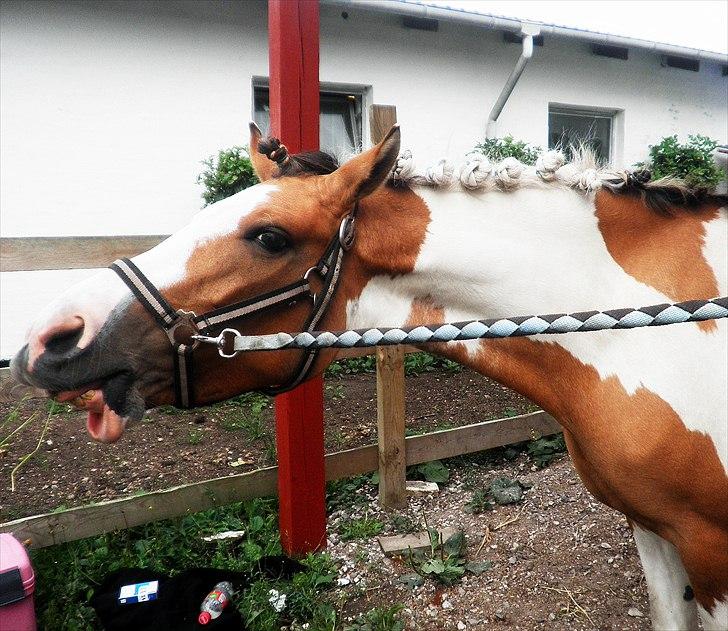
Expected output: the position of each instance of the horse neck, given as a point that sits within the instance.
(538, 251)
(496, 254)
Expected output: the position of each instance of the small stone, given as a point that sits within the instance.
(605, 545)
(461, 625)
(635, 613)
(500, 615)
(341, 582)
(446, 604)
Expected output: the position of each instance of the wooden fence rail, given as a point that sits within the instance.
(96, 519)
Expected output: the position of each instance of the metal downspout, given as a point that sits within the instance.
(528, 31)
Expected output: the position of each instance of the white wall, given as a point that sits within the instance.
(107, 109)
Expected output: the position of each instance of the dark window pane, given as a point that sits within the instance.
(340, 119)
(572, 129)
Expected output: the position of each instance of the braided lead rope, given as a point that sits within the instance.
(654, 315)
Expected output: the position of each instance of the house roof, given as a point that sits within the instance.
(415, 8)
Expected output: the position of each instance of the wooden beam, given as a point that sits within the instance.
(95, 519)
(27, 254)
(293, 62)
(390, 426)
(381, 119)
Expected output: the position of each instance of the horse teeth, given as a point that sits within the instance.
(82, 400)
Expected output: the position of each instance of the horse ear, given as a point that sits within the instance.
(264, 167)
(366, 172)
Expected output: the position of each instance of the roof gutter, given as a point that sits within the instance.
(402, 7)
(528, 31)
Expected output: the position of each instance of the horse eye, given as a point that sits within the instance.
(272, 241)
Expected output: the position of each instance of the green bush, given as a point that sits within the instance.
(496, 149)
(692, 161)
(228, 173)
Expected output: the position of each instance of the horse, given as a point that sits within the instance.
(643, 411)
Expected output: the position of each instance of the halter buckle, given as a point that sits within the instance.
(183, 330)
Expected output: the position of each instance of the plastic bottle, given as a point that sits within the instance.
(215, 602)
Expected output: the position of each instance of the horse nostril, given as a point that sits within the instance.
(62, 339)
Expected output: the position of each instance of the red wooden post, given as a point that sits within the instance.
(293, 49)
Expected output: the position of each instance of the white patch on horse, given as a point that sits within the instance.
(718, 619)
(716, 247)
(166, 263)
(666, 582)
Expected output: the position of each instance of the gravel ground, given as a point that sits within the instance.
(564, 562)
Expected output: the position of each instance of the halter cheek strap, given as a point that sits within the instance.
(185, 330)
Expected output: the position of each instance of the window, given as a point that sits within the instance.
(340, 117)
(571, 127)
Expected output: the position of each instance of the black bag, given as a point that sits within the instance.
(179, 598)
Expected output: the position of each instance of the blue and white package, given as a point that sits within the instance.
(138, 592)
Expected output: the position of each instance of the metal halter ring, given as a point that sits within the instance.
(346, 232)
(309, 271)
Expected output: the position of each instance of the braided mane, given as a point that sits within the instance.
(477, 173)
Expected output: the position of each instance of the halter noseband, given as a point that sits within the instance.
(184, 329)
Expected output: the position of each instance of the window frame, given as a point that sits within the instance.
(363, 92)
(587, 111)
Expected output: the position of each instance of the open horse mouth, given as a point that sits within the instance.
(103, 424)
(109, 403)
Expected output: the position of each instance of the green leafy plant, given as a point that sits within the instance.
(434, 471)
(363, 528)
(691, 161)
(414, 364)
(226, 174)
(496, 149)
(378, 619)
(444, 561)
(543, 450)
(480, 502)
(348, 492)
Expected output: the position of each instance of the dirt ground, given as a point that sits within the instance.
(171, 447)
(563, 562)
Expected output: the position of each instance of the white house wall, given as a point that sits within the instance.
(107, 109)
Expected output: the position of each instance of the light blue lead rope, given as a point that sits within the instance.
(231, 341)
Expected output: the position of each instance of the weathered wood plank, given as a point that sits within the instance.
(390, 426)
(487, 435)
(95, 519)
(18, 254)
(381, 119)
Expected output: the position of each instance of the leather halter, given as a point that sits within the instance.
(183, 328)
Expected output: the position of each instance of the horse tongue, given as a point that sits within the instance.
(105, 426)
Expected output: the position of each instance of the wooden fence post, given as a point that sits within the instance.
(293, 48)
(390, 378)
(390, 427)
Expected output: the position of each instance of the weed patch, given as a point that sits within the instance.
(378, 619)
(543, 450)
(363, 528)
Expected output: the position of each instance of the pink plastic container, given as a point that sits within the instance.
(17, 584)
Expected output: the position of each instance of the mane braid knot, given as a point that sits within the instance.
(274, 150)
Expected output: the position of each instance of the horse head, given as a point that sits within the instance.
(98, 347)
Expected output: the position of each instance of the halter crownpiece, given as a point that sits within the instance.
(185, 330)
